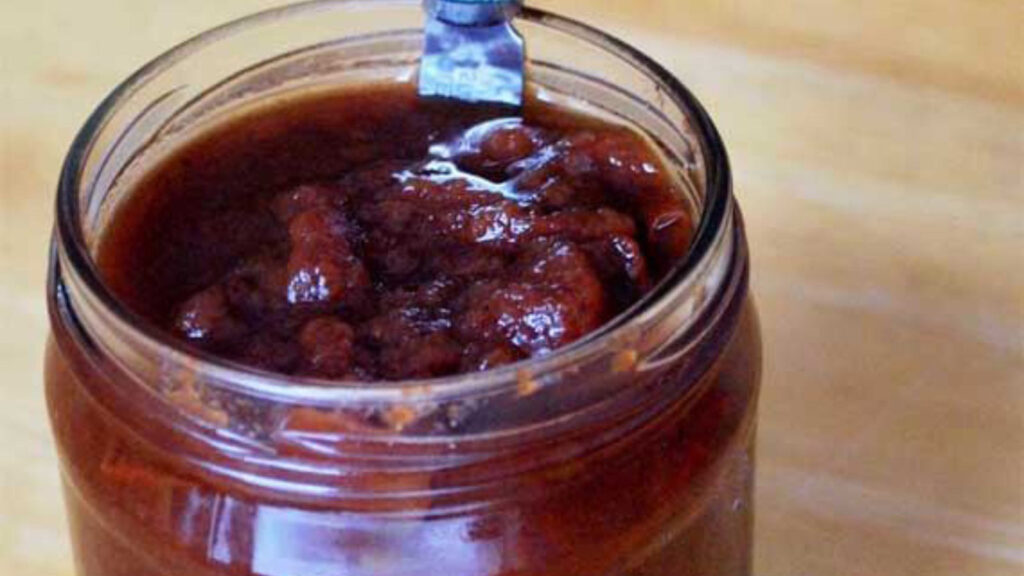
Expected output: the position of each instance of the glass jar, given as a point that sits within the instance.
(628, 452)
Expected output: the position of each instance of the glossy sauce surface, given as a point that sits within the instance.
(369, 235)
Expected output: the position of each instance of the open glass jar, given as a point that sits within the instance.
(627, 452)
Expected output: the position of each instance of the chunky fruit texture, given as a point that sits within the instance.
(476, 243)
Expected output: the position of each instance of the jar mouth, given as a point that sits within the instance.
(75, 256)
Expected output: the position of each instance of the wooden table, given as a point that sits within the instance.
(878, 149)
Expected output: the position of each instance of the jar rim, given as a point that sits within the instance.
(245, 379)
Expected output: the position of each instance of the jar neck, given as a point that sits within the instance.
(617, 386)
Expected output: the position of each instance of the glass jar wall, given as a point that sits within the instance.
(628, 452)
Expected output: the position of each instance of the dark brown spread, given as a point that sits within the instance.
(368, 235)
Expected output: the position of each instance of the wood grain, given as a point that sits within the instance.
(878, 149)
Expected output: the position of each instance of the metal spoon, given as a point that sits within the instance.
(472, 52)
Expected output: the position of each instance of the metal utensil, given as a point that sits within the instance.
(472, 52)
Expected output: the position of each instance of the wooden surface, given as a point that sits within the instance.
(878, 149)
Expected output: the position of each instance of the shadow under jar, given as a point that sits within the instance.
(628, 452)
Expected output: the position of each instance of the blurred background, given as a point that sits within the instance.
(878, 152)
